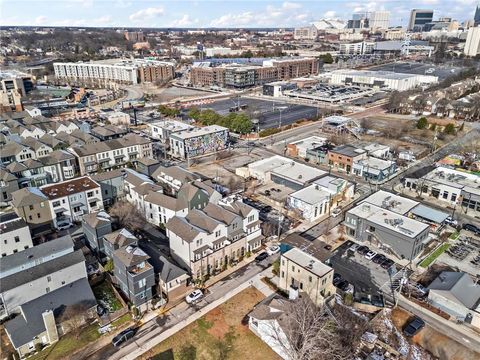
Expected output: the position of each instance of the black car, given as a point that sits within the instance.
(123, 336)
(472, 228)
(414, 326)
(387, 264)
(337, 278)
(362, 250)
(262, 256)
(379, 258)
(343, 285)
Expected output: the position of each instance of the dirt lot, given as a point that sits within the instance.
(438, 344)
(219, 334)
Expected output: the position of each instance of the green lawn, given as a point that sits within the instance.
(122, 320)
(104, 293)
(68, 344)
(434, 255)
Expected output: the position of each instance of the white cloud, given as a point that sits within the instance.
(290, 5)
(122, 4)
(147, 14)
(330, 14)
(287, 14)
(103, 20)
(183, 21)
(40, 20)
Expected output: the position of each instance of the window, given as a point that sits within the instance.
(4, 254)
(31, 207)
(38, 215)
(47, 290)
(49, 278)
(76, 209)
(42, 204)
(25, 247)
(454, 197)
(310, 279)
(15, 251)
(283, 274)
(445, 194)
(90, 194)
(293, 268)
(56, 203)
(371, 228)
(142, 283)
(29, 217)
(5, 241)
(218, 233)
(251, 218)
(17, 239)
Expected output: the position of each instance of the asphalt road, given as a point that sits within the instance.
(182, 311)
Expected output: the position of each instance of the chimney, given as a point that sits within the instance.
(50, 326)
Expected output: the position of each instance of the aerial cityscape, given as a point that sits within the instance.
(258, 180)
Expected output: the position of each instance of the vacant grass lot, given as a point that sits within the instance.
(104, 294)
(219, 334)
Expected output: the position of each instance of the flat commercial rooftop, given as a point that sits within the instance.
(310, 142)
(195, 132)
(312, 194)
(298, 172)
(307, 262)
(377, 74)
(392, 202)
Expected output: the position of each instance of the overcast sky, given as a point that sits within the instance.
(212, 13)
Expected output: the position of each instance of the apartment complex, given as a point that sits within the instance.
(301, 272)
(110, 154)
(122, 71)
(243, 76)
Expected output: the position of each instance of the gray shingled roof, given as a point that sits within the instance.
(23, 258)
(36, 272)
(29, 324)
(458, 287)
(27, 196)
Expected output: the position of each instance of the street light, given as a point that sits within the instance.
(280, 109)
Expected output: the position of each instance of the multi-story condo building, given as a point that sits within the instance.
(134, 274)
(37, 284)
(384, 225)
(205, 241)
(301, 272)
(110, 154)
(59, 165)
(357, 48)
(15, 234)
(8, 184)
(95, 226)
(72, 199)
(472, 45)
(173, 178)
(122, 71)
(242, 76)
(198, 141)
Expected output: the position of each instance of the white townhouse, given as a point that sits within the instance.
(72, 199)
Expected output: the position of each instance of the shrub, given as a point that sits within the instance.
(268, 132)
(422, 123)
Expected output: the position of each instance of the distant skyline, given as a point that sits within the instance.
(202, 13)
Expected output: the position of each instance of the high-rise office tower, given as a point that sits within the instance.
(476, 17)
(472, 46)
(418, 19)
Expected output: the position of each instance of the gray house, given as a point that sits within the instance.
(117, 239)
(387, 230)
(457, 294)
(112, 185)
(135, 276)
(95, 226)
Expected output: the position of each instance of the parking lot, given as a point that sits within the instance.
(464, 254)
(442, 71)
(366, 276)
(267, 112)
(331, 93)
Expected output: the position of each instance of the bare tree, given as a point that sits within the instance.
(127, 215)
(73, 317)
(308, 332)
(366, 124)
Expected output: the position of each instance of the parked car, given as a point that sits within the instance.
(472, 228)
(123, 336)
(379, 258)
(354, 247)
(422, 290)
(337, 278)
(267, 192)
(335, 212)
(273, 249)
(362, 250)
(387, 264)
(343, 285)
(370, 255)
(451, 221)
(64, 224)
(194, 296)
(328, 247)
(414, 326)
(262, 256)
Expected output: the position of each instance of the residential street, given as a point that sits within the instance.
(457, 332)
(180, 316)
